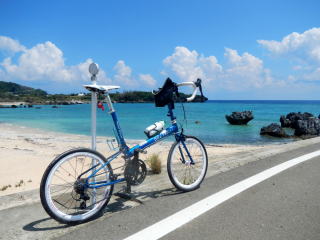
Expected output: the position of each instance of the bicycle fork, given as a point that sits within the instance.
(187, 151)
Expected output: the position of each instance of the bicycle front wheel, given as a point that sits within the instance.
(187, 163)
(64, 191)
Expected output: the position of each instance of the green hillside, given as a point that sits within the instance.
(10, 88)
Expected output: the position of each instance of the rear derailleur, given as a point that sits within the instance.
(80, 188)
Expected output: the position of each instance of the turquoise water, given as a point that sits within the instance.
(134, 118)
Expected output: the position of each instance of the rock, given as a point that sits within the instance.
(307, 128)
(54, 106)
(285, 122)
(197, 122)
(291, 120)
(274, 130)
(239, 118)
(14, 106)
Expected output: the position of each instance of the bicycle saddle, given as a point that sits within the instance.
(100, 88)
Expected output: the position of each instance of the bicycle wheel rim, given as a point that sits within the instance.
(185, 175)
(82, 215)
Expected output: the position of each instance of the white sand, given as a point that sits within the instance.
(26, 152)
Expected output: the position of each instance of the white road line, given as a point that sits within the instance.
(186, 215)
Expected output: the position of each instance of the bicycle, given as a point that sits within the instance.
(78, 184)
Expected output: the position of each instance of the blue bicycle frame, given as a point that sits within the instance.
(129, 152)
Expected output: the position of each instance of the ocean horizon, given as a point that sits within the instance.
(204, 120)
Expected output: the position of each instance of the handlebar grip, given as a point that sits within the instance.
(195, 85)
(189, 99)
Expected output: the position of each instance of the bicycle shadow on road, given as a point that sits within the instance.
(48, 224)
(117, 204)
(141, 196)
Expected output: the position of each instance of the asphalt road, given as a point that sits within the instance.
(286, 206)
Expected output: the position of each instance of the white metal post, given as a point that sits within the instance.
(93, 117)
(93, 131)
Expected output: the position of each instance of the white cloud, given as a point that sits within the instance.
(312, 76)
(189, 65)
(124, 77)
(304, 46)
(244, 71)
(10, 45)
(241, 71)
(148, 80)
(44, 62)
(302, 51)
(124, 74)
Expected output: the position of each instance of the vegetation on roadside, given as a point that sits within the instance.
(154, 162)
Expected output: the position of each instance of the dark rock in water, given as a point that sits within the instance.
(307, 128)
(239, 118)
(14, 106)
(291, 120)
(197, 122)
(285, 122)
(54, 106)
(30, 105)
(274, 130)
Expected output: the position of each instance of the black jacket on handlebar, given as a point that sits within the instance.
(164, 96)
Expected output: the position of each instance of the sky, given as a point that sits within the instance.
(245, 49)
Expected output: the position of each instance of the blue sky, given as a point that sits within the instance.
(241, 49)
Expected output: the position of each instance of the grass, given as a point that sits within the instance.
(154, 163)
(5, 187)
(19, 184)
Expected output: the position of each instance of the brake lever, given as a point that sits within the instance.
(202, 96)
(198, 84)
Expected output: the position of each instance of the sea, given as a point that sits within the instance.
(203, 120)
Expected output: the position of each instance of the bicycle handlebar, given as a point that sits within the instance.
(195, 89)
(195, 86)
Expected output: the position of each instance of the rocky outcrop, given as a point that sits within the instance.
(291, 120)
(240, 118)
(274, 130)
(307, 128)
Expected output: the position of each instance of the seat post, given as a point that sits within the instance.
(109, 102)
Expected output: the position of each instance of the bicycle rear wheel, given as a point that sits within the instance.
(64, 193)
(187, 163)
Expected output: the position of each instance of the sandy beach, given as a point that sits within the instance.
(26, 152)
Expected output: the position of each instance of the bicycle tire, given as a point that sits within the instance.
(187, 184)
(46, 195)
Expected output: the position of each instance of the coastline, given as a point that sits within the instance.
(26, 152)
